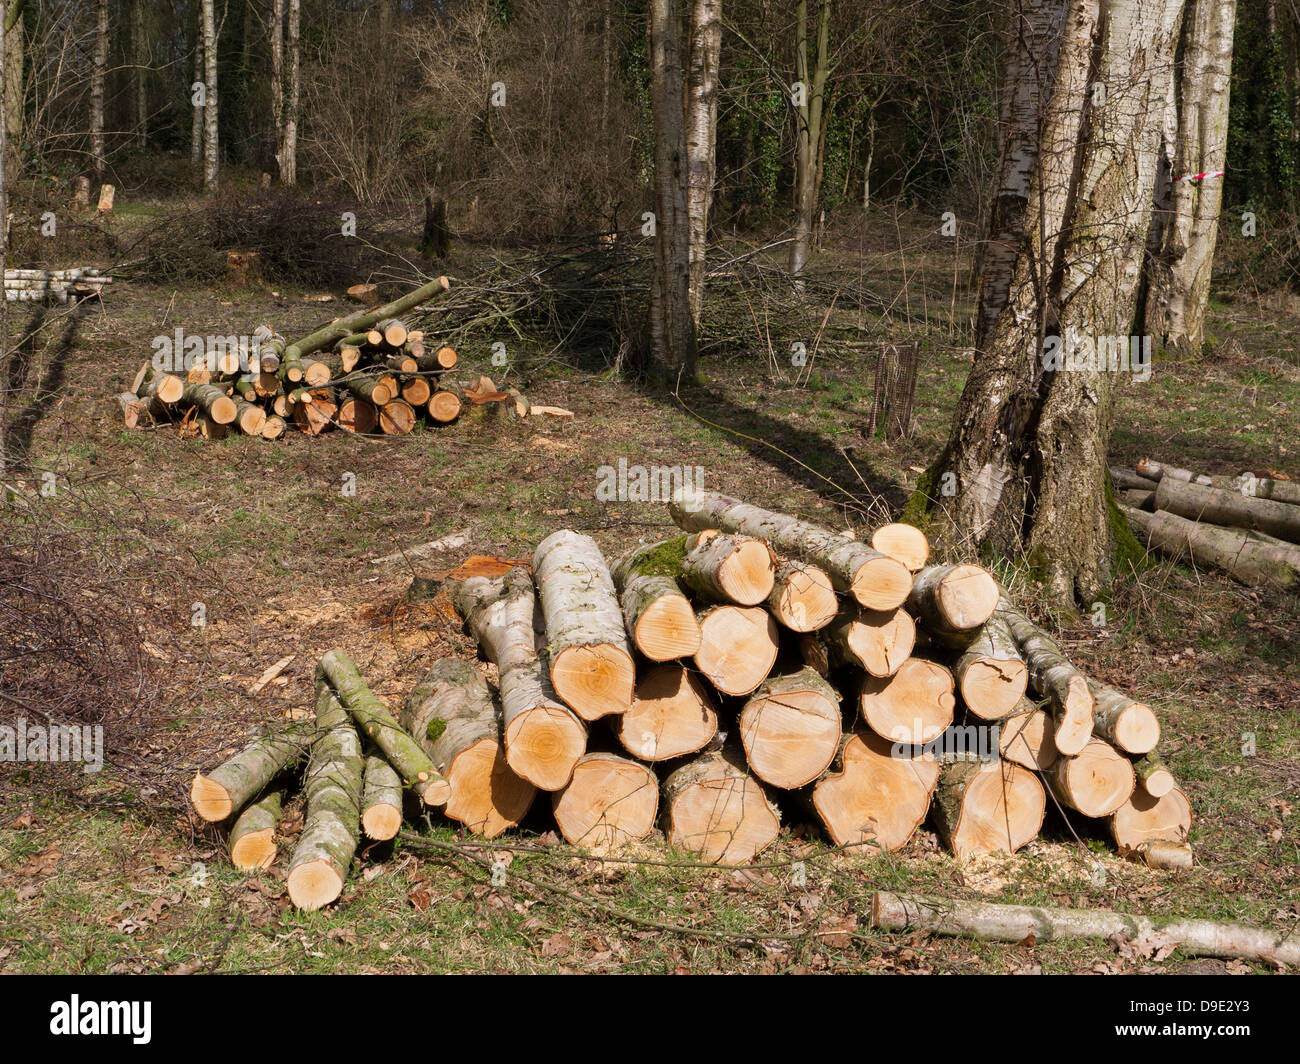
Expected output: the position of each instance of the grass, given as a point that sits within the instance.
(263, 536)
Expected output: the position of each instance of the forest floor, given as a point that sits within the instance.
(110, 872)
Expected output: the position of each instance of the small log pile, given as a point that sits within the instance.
(367, 372)
(58, 286)
(1245, 526)
(754, 668)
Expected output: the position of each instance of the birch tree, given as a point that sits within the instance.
(1024, 469)
(1187, 216)
(288, 157)
(97, 73)
(701, 136)
(808, 96)
(210, 146)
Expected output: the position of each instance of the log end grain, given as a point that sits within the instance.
(381, 822)
(913, 706)
(254, 850)
(671, 715)
(486, 795)
(992, 687)
(881, 583)
(544, 744)
(903, 543)
(610, 802)
(738, 647)
(596, 681)
(667, 629)
(210, 799)
(314, 885)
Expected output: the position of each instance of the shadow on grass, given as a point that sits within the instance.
(46, 391)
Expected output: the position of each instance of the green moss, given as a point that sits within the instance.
(435, 729)
(1130, 555)
(919, 507)
(662, 559)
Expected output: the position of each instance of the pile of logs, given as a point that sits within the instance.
(1246, 526)
(755, 666)
(367, 372)
(59, 286)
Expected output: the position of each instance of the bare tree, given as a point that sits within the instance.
(140, 83)
(197, 123)
(5, 352)
(1187, 223)
(1025, 465)
(210, 146)
(277, 81)
(672, 329)
(287, 156)
(808, 100)
(97, 86)
(701, 136)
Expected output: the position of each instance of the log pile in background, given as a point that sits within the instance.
(58, 286)
(1246, 526)
(681, 685)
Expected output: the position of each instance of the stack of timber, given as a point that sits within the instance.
(754, 667)
(57, 286)
(1246, 526)
(367, 372)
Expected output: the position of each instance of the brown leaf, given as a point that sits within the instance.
(342, 934)
(558, 945)
(28, 892)
(420, 899)
(187, 968)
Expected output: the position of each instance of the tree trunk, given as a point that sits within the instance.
(1026, 455)
(97, 73)
(198, 122)
(671, 715)
(277, 82)
(790, 728)
(701, 136)
(288, 158)
(808, 116)
(610, 802)
(591, 663)
(672, 330)
(543, 737)
(14, 88)
(210, 146)
(1180, 283)
(715, 809)
(332, 826)
(1153, 776)
(140, 75)
(382, 729)
(871, 799)
(659, 617)
(879, 642)
(452, 715)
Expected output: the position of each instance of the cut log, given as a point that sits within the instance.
(913, 706)
(1247, 560)
(365, 294)
(232, 784)
(315, 372)
(543, 737)
(165, 387)
(1153, 775)
(738, 647)
(790, 728)
(381, 728)
(983, 807)
(252, 839)
(873, 579)
(879, 642)
(134, 409)
(394, 331)
(729, 568)
(453, 716)
(903, 543)
(381, 800)
(659, 617)
(396, 418)
(953, 601)
(1124, 479)
(1139, 500)
(610, 802)
(337, 330)
(444, 407)
(212, 401)
(273, 427)
(1053, 678)
(416, 391)
(671, 715)
(357, 415)
(1127, 725)
(1143, 819)
(803, 598)
(871, 798)
(1157, 853)
(250, 418)
(1215, 506)
(376, 390)
(1016, 923)
(991, 674)
(1095, 782)
(315, 413)
(401, 363)
(1025, 737)
(590, 659)
(716, 810)
(332, 824)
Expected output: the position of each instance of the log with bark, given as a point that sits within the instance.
(659, 617)
(790, 728)
(1127, 725)
(991, 674)
(875, 580)
(1153, 775)
(1054, 679)
(1025, 736)
(870, 797)
(382, 729)
(879, 642)
(233, 783)
(715, 809)
(543, 737)
(452, 714)
(728, 568)
(1016, 923)
(1247, 560)
(983, 807)
(381, 800)
(953, 601)
(252, 838)
(590, 660)
(332, 824)
(1215, 506)
(1143, 819)
(609, 802)
(672, 715)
